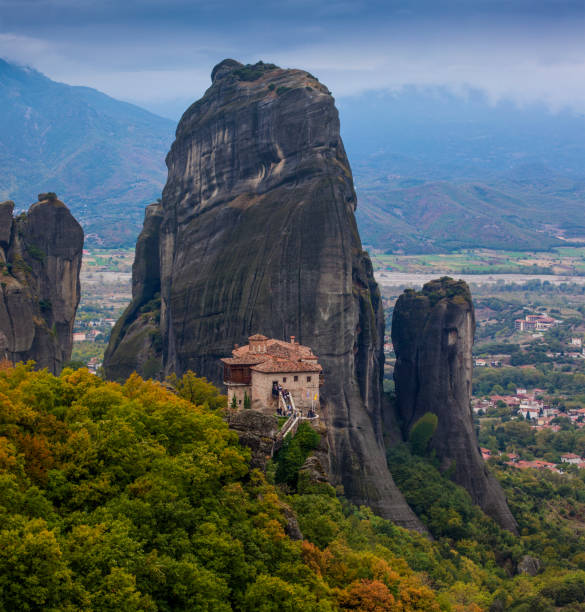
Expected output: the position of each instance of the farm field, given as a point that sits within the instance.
(107, 260)
(561, 261)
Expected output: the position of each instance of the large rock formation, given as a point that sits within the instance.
(257, 235)
(432, 333)
(135, 343)
(40, 260)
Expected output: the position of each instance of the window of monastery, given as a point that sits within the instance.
(284, 379)
(296, 378)
(308, 379)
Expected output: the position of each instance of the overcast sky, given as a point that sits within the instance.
(159, 54)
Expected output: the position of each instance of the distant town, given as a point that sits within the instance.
(530, 406)
(105, 292)
(513, 460)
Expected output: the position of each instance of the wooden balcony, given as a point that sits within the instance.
(236, 374)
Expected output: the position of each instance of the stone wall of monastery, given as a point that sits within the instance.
(303, 389)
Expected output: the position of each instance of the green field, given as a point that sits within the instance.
(568, 261)
(111, 260)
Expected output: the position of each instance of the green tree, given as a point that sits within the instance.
(197, 390)
(272, 594)
(294, 452)
(422, 432)
(33, 573)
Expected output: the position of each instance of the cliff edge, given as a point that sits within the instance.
(40, 261)
(256, 233)
(432, 332)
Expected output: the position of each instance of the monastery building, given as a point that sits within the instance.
(255, 370)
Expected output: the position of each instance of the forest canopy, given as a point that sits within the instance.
(139, 497)
(130, 497)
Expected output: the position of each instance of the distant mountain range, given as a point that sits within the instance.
(104, 158)
(433, 171)
(436, 216)
(437, 172)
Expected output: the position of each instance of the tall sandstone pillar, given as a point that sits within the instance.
(257, 235)
(40, 261)
(432, 333)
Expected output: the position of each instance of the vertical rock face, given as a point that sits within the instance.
(40, 260)
(432, 333)
(258, 235)
(135, 343)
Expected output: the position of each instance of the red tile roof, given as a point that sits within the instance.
(274, 356)
(247, 360)
(536, 464)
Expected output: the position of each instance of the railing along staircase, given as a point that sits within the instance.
(282, 403)
(292, 403)
(294, 417)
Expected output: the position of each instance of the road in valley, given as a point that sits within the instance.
(408, 279)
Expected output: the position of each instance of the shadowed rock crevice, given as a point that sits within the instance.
(40, 261)
(432, 333)
(258, 234)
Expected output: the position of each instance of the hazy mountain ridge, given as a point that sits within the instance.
(424, 160)
(435, 134)
(439, 172)
(442, 215)
(103, 156)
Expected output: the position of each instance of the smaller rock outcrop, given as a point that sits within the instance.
(40, 261)
(6, 209)
(529, 566)
(258, 432)
(292, 529)
(316, 468)
(432, 333)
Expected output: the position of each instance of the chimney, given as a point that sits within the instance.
(257, 343)
(292, 339)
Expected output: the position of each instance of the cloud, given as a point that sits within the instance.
(503, 64)
(25, 49)
(148, 52)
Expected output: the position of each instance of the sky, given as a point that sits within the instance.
(159, 54)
